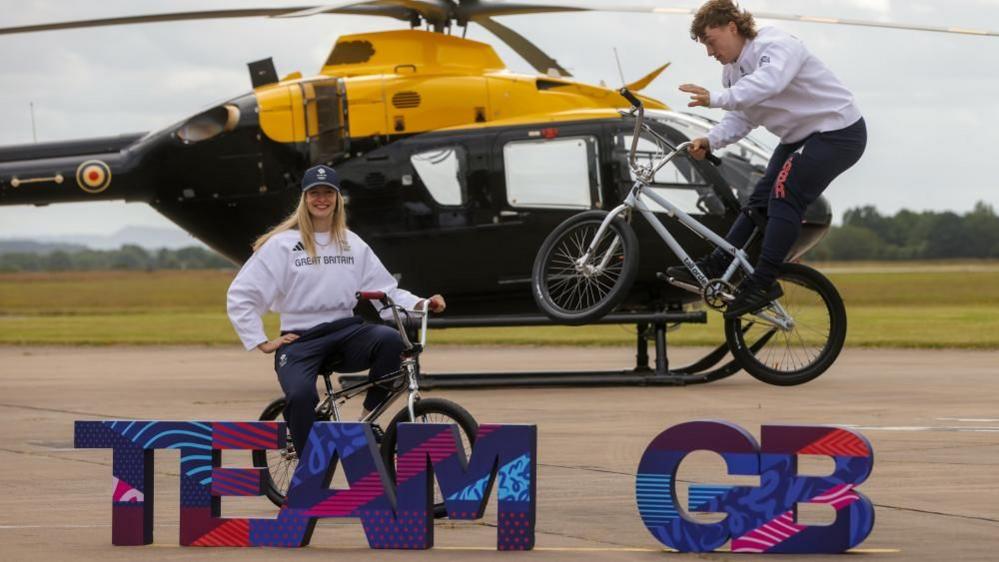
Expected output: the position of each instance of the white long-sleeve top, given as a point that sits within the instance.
(778, 84)
(281, 276)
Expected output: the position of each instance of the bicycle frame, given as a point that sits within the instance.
(634, 201)
(410, 368)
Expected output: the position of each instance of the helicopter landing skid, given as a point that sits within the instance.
(702, 371)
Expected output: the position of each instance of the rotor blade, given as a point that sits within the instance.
(370, 8)
(151, 18)
(520, 45)
(437, 11)
(388, 8)
(477, 10)
(791, 17)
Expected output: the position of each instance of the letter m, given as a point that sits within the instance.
(506, 451)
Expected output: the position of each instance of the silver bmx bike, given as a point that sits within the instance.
(281, 463)
(587, 265)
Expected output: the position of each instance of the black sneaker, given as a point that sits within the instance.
(378, 432)
(712, 266)
(752, 297)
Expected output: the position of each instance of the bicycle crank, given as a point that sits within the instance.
(718, 293)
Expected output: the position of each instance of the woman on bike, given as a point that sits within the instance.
(771, 79)
(308, 269)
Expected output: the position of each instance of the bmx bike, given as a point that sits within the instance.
(586, 267)
(281, 464)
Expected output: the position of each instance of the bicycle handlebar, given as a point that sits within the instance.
(381, 296)
(626, 94)
(370, 295)
(639, 107)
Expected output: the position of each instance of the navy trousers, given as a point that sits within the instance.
(354, 346)
(795, 177)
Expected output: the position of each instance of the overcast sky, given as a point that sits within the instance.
(931, 100)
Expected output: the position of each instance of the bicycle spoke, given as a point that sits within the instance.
(803, 344)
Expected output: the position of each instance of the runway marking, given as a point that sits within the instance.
(971, 420)
(58, 411)
(946, 428)
(459, 548)
(99, 526)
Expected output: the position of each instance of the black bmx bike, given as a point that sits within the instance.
(281, 464)
(587, 265)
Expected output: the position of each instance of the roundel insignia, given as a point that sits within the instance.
(93, 176)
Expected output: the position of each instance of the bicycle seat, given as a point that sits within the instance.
(329, 364)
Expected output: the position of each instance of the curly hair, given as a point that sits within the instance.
(718, 13)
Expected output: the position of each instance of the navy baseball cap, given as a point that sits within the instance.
(320, 175)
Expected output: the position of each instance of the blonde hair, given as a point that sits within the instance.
(301, 221)
(718, 13)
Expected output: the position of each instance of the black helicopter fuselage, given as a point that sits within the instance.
(231, 187)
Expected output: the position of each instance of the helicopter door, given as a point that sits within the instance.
(538, 183)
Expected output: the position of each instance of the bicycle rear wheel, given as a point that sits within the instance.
(576, 293)
(806, 350)
(430, 410)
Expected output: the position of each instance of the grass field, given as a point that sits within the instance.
(930, 305)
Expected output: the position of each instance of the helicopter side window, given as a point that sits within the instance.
(678, 181)
(440, 170)
(561, 173)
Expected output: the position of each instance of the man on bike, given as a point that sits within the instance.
(770, 79)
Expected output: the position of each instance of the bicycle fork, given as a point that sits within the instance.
(582, 264)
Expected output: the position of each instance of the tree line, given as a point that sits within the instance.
(867, 234)
(127, 258)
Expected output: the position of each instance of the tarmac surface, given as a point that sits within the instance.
(932, 417)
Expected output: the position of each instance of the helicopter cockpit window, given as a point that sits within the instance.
(560, 173)
(441, 171)
(678, 181)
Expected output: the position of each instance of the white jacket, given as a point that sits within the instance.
(281, 276)
(779, 84)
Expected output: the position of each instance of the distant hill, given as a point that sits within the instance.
(33, 247)
(150, 238)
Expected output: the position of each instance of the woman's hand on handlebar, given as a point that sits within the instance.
(436, 302)
(274, 344)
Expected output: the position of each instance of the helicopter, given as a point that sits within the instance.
(454, 168)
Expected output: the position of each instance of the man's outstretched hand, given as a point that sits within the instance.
(699, 97)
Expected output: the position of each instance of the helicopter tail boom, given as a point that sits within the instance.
(70, 171)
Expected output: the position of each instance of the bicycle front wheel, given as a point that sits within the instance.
(796, 355)
(573, 292)
(280, 463)
(431, 410)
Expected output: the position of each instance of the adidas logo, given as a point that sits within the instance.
(298, 247)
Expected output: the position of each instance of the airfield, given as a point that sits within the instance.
(930, 414)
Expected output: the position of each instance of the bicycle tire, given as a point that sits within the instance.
(809, 297)
(280, 467)
(425, 408)
(571, 296)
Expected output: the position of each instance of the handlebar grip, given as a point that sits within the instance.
(369, 295)
(714, 159)
(626, 94)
